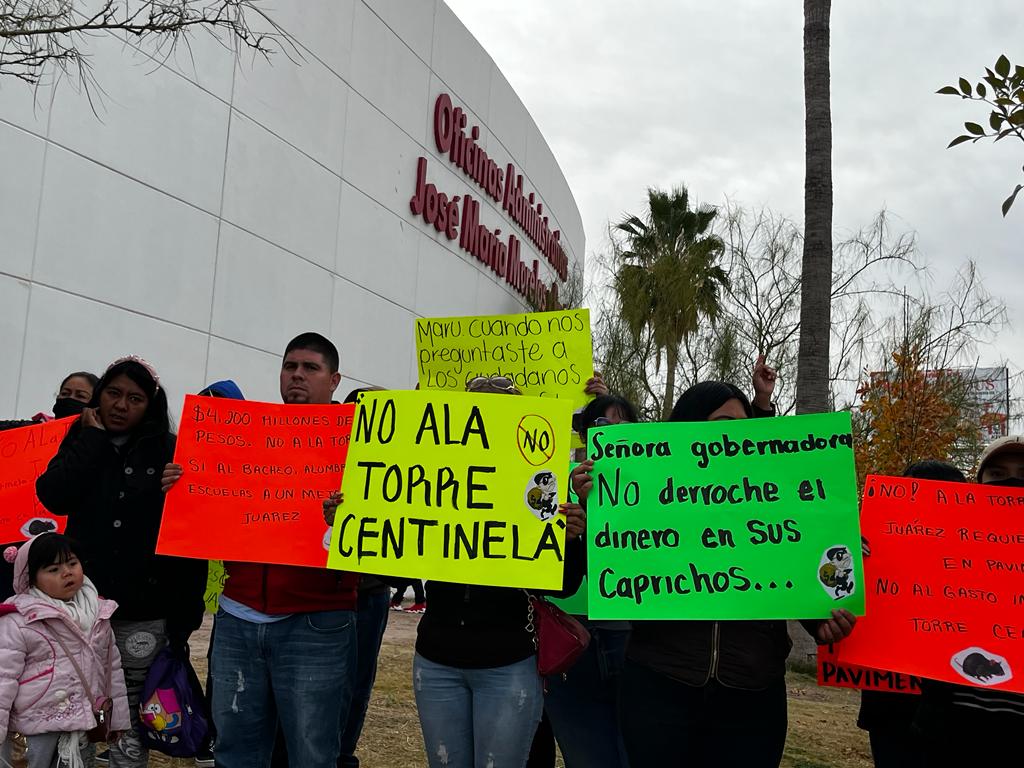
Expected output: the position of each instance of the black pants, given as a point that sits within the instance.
(542, 751)
(895, 748)
(668, 724)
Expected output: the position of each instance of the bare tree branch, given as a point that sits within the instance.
(37, 36)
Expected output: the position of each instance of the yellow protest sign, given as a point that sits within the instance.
(215, 578)
(455, 487)
(547, 354)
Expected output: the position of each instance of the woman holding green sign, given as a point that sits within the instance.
(710, 693)
(582, 704)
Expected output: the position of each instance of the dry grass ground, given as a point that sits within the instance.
(822, 730)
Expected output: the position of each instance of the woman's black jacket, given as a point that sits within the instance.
(111, 496)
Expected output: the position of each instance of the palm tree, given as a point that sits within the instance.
(668, 277)
(812, 377)
(812, 395)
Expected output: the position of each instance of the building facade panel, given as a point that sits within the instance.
(105, 236)
(22, 156)
(210, 209)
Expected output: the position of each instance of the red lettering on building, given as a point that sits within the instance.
(504, 186)
(435, 207)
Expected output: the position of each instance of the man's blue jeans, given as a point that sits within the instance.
(472, 718)
(300, 670)
(371, 622)
(583, 708)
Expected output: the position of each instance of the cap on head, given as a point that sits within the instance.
(1002, 445)
(225, 389)
(19, 557)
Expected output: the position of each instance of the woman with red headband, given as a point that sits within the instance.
(106, 479)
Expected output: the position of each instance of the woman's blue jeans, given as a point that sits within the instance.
(478, 718)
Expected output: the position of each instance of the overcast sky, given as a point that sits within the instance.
(711, 95)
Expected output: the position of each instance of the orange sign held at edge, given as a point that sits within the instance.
(255, 478)
(24, 454)
(835, 673)
(945, 582)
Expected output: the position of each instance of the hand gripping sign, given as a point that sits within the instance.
(575, 605)
(456, 487)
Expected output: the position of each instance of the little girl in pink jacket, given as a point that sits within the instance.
(44, 704)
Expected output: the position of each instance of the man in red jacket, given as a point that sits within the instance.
(285, 645)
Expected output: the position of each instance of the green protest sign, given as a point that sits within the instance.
(575, 604)
(751, 519)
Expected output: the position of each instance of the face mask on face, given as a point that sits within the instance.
(1009, 482)
(66, 406)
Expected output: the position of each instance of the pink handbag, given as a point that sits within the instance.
(559, 638)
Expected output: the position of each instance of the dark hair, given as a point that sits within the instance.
(598, 407)
(352, 396)
(701, 400)
(314, 342)
(92, 378)
(156, 411)
(935, 470)
(47, 549)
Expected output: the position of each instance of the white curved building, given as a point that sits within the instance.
(210, 210)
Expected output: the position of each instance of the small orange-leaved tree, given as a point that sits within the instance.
(920, 402)
(912, 412)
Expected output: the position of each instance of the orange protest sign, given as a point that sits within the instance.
(24, 454)
(945, 582)
(835, 673)
(255, 478)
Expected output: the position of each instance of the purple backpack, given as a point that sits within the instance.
(172, 710)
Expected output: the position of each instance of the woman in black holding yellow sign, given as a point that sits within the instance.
(478, 692)
(710, 694)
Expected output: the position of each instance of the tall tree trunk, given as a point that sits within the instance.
(816, 281)
(672, 362)
(812, 394)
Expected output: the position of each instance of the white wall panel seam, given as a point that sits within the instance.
(283, 140)
(400, 38)
(220, 226)
(313, 55)
(146, 184)
(35, 248)
(315, 264)
(148, 316)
